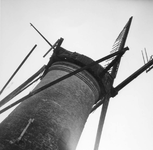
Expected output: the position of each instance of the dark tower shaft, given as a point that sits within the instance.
(54, 118)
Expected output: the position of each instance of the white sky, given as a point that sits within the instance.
(89, 27)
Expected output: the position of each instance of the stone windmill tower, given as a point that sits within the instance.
(53, 115)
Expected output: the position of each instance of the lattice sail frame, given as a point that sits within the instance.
(118, 46)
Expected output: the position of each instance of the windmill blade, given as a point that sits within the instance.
(21, 87)
(143, 57)
(56, 44)
(147, 60)
(131, 78)
(119, 46)
(146, 54)
(24, 88)
(101, 122)
(17, 69)
(53, 47)
(42, 36)
(105, 103)
(99, 103)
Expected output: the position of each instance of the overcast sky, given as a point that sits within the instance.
(89, 27)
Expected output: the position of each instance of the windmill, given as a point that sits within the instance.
(67, 78)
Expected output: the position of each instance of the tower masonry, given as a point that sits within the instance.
(54, 118)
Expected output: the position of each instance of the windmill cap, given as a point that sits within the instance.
(62, 54)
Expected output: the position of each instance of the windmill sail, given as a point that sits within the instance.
(119, 46)
(17, 69)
